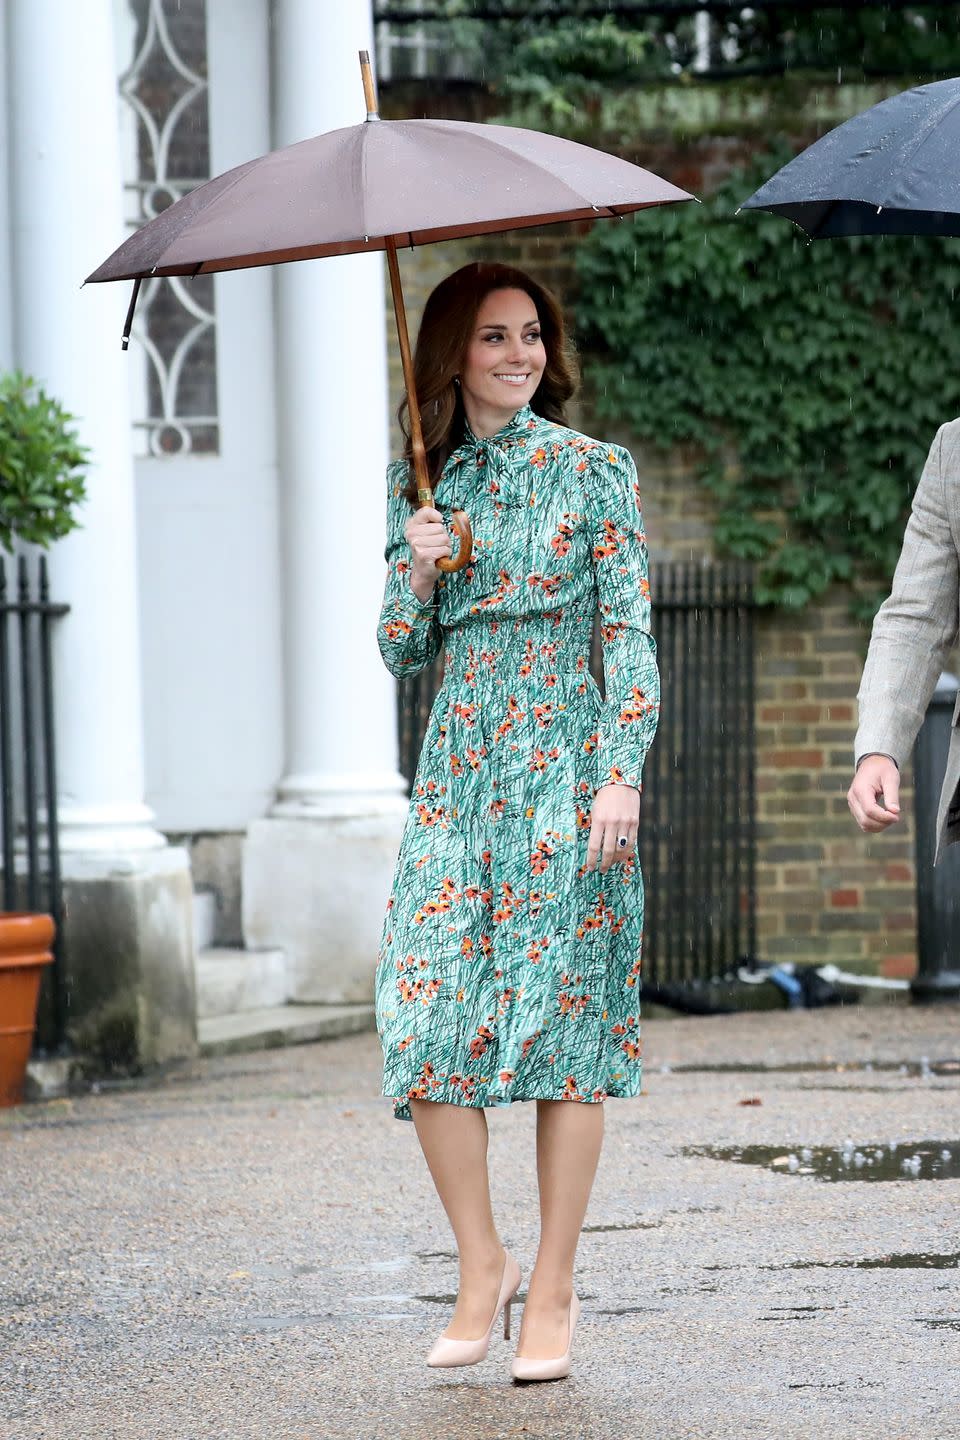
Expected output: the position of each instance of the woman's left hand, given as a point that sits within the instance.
(616, 812)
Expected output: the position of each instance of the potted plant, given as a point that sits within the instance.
(41, 484)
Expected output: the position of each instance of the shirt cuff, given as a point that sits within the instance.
(424, 609)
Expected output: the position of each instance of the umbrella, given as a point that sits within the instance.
(891, 170)
(377, 186)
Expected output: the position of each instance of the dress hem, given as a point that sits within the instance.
(402, 1111)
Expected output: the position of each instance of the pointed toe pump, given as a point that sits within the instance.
(446, 1353)
(555, 1368)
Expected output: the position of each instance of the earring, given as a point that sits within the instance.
(456, 380)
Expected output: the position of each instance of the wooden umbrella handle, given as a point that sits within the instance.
(459, 520)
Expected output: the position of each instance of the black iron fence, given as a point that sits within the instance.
(29, 850)
(697, 843)
(698, 829)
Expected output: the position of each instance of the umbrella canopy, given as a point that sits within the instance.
(375, 186)
(893, 170)
(412, 181)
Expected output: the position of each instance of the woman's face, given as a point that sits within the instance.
(505, 358)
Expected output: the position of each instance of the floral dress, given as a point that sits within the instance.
(506, 970)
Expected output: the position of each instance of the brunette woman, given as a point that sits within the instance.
(509, 966)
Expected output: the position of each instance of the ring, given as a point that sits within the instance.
(622, 841)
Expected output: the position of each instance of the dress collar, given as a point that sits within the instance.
(519, 421)
(499, 464)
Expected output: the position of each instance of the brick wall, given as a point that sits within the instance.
(825, 891)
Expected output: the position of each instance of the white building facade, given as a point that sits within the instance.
(225, 722)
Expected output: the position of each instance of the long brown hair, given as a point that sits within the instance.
(446, 329)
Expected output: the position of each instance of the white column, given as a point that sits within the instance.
(341, 752)
(317, 870)
(66, 201)
(6, 319)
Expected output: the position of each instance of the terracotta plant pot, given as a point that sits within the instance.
(25, 942)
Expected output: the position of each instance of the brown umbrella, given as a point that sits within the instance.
(377, 186)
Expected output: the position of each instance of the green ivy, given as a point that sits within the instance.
(41, 461)
(810, 379)
(566, 78)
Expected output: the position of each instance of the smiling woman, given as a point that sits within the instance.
(509, 962)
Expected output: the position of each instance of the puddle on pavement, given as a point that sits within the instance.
(914, 1160)
(281, 1322)
(924, 1068)
(920, 1260)
(632, 1310)
(796, 1312)
(622, 1225)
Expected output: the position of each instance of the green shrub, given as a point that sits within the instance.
(41, 465)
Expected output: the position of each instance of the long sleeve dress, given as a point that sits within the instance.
(506, 970)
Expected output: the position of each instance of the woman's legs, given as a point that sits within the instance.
(569, 1138)
(454, 1143)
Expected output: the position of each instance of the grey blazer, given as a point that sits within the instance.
(916, 626)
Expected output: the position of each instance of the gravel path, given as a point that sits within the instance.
(251, 1247)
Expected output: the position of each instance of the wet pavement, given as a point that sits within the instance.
(251, 1247)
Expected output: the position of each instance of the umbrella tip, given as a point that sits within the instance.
(369, 88)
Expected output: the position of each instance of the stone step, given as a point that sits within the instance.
(268, 1029)
(235, 982)
(204, 919)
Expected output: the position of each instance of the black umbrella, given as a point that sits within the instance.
(893, 170)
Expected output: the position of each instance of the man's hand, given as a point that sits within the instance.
(874, 796)
(615, 812)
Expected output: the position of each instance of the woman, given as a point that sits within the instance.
(510, 956)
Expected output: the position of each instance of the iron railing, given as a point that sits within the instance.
(697, 844)
(29, 849)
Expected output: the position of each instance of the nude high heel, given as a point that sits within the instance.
(553, 1369)
(447, 1353)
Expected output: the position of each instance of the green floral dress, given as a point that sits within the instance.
(506, 970)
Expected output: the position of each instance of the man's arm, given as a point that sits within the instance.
(912, 632)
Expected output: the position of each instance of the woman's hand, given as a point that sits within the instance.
(429, 542)
(616, 812)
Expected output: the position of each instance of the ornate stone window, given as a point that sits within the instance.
(164, 92)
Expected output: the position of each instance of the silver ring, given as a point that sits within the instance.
(622, 841)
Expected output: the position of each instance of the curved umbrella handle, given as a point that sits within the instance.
(460, 521)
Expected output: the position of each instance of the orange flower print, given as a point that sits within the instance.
(480, 1041)
(639, 709)
(560, 541)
